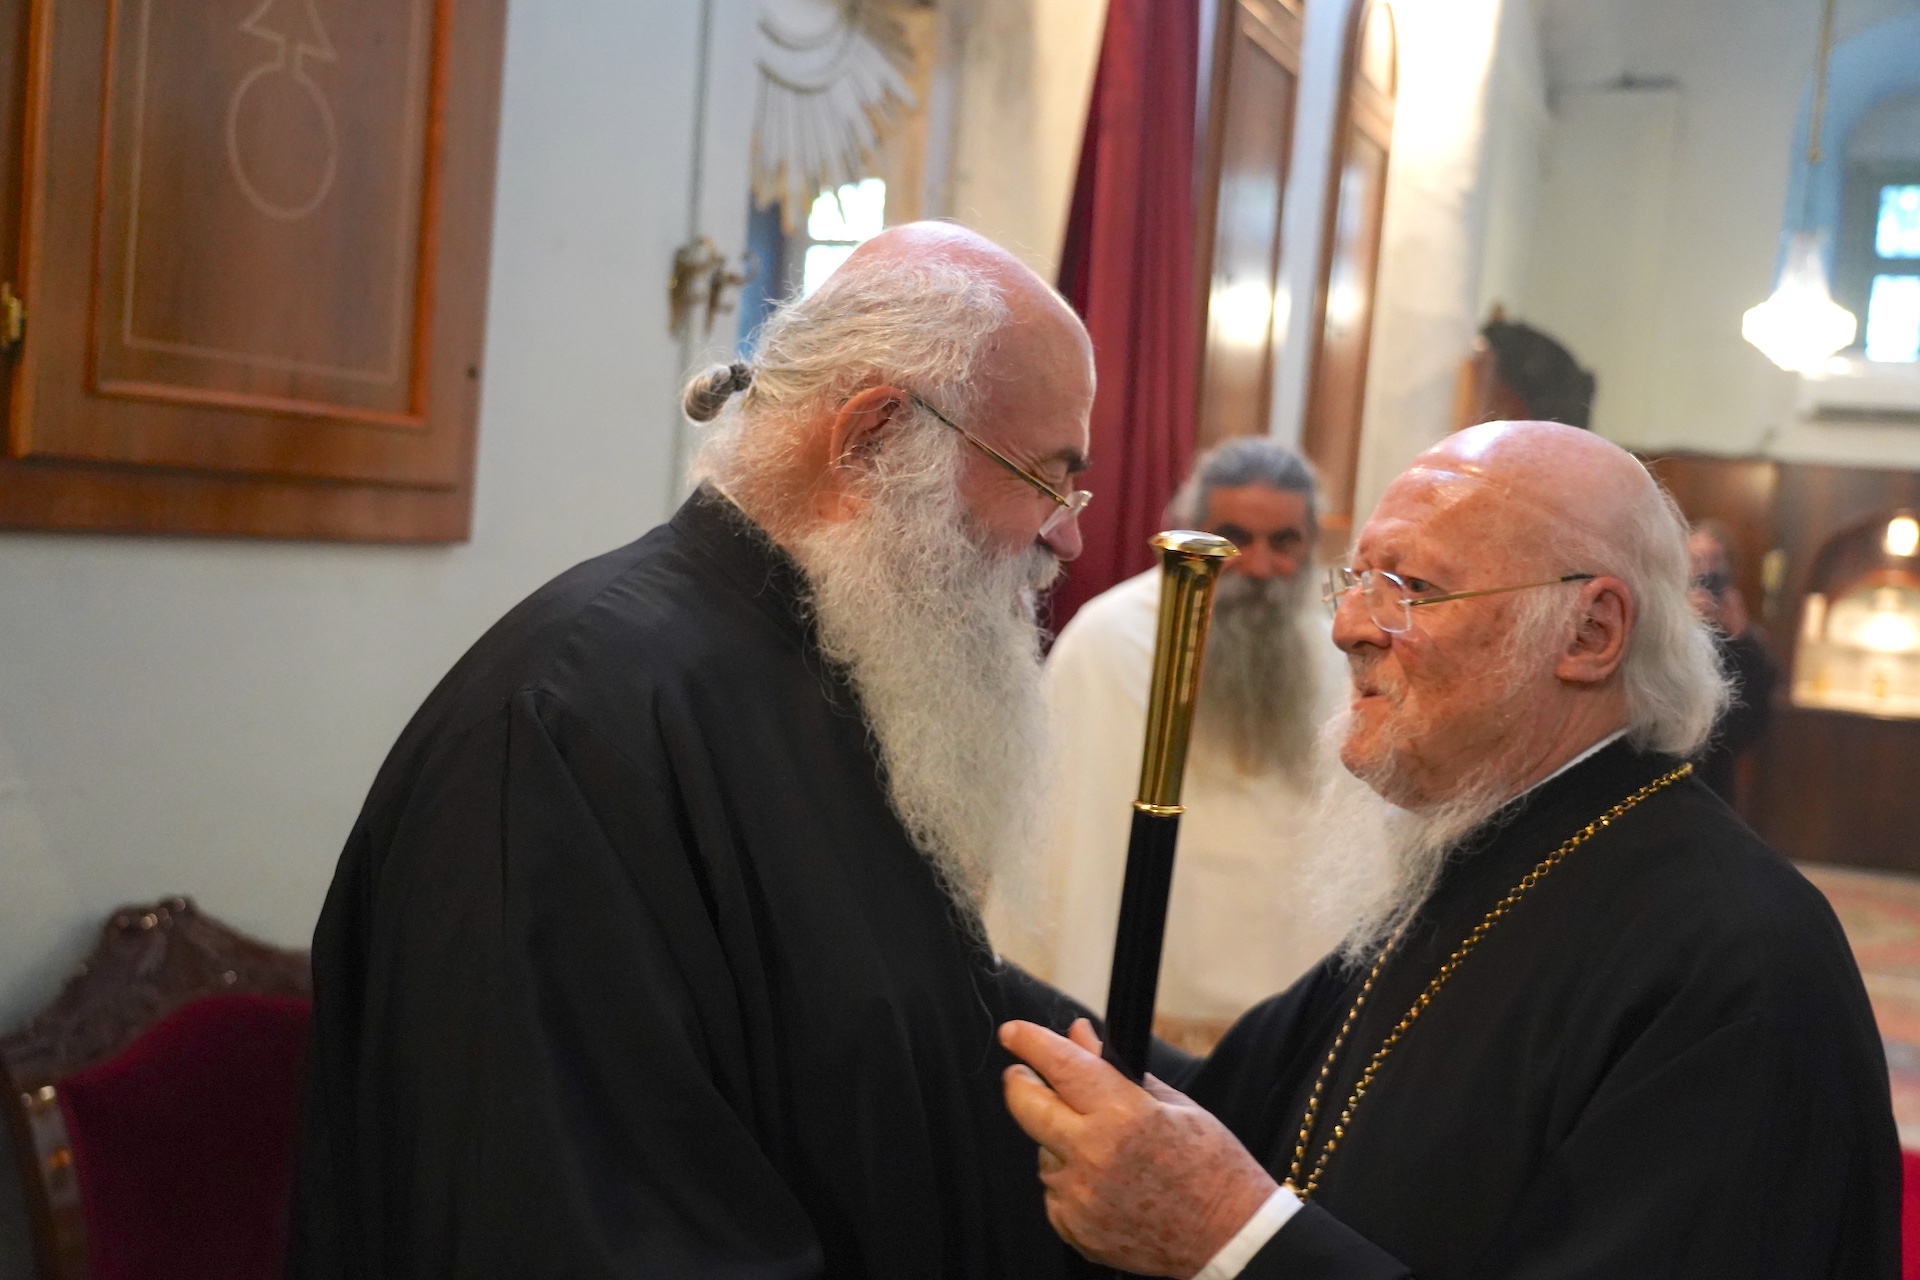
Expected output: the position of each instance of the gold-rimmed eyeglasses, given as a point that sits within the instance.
(1072, 503)
(1391, 599)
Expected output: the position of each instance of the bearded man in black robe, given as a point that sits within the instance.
(1584, 1023)
(656, 949)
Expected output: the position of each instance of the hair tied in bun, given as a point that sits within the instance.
(709, 392)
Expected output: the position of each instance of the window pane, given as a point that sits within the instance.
(824, 259)
(1898, 232)
(1893, 319)
(855, 212)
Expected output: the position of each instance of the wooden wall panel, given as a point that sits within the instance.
(254, 262)
(1826, 786)
(1344, 301)
(1738, 492)
(1256, 74)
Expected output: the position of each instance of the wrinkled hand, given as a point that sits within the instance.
(1141, 1179)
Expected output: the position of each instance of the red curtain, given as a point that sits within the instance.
(1127, 268)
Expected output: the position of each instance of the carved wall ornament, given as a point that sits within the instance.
(833, 79)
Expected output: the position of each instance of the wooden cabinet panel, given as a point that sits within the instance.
(1739, 493)
(241, 179)
(254, 265)
(1832, 787)
(1256, 74)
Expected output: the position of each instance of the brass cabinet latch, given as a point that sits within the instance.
(702, 276)
(13, 319)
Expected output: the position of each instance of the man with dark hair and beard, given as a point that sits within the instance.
(1583, 1024)
(1237, 925)
(656, 950)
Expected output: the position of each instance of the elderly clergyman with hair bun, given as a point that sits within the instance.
(1237, 928)
(656, 950)
(1583, 1024)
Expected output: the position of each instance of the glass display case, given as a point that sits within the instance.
(1859, 638)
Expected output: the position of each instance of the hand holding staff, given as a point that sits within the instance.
(1190, 565)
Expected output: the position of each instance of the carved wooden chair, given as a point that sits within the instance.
(155, 1102)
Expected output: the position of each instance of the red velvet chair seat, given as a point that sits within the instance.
(184, 1142)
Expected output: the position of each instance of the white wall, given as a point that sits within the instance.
(1012, 106)
(1660, 215)
(1513, 153)
(204, 716)
(1434, 234)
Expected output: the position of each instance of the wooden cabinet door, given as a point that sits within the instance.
(253, 262)
(1256, 72)
(1342, 322)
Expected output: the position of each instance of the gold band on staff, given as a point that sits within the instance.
(1190, 564)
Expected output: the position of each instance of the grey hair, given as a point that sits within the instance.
(1246, 460)
(923, 325)
(707, 394)
(1672, 676)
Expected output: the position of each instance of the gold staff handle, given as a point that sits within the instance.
(1190, 565)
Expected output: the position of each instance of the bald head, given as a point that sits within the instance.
(1040, 337)
(1522, 483)
(1569, 564)
(923, 328)
(916, 243)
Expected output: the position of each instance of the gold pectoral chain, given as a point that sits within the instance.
(1306, 1187)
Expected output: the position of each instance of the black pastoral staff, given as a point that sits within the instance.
(629, 968)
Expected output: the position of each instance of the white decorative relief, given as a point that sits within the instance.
(833, 74)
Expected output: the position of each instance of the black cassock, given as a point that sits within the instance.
(629, 970)
(1661, 1063)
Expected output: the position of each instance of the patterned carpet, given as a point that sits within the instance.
(1881, 914)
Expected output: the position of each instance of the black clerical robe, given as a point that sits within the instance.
(629, 970)
(1661, 1063)
(1750, 677)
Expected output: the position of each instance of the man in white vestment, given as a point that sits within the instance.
(1237, 928)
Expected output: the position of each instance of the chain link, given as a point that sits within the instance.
(1304, 1188)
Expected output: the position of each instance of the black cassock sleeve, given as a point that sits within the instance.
(1712, 1161)
(545, 1072)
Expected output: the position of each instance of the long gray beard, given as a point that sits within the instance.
(1259, 684)
(939, 640)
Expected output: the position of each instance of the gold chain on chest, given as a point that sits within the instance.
(1305, 1187)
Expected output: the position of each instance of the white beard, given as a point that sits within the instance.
(939, 639)
(1259, 684)
(1376, 864)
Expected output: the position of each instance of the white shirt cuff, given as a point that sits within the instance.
(1251, 1238)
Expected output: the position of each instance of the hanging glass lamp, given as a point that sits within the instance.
(1800, 326)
